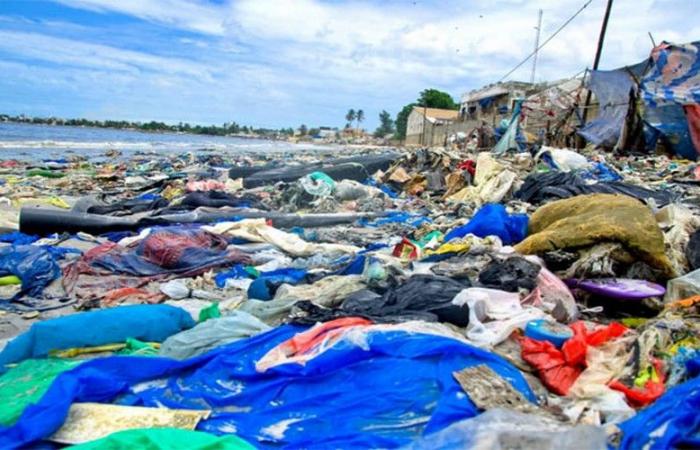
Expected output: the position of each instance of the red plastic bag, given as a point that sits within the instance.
(653, 389)
(551, 366)
(559, 369)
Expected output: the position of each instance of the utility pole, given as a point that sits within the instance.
(424, 136)
(599, 50)
(537, 46)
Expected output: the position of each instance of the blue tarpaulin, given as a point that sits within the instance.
(612, 89)
(509, 140)
(672, 83)
(381, 388)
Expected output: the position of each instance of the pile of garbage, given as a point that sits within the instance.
(436, 298)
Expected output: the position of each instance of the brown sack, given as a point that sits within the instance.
(587, 220)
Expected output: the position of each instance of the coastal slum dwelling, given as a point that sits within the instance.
(651, 106)
(553, 113)
(492, 103)
(430, 126)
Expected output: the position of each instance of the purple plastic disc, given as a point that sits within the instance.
(619, 288)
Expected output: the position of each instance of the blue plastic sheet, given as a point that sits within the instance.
(401, 387)
(670, 422)
(670, 125)
(601, 172)
(148, 323)
(355, 267)
(18, 238)
(413, 220)
(493, 220)
(34, 265)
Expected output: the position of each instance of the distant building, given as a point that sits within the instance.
(493, 102)
(326, 133)
(430, 126)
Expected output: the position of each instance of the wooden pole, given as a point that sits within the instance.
(599, 51)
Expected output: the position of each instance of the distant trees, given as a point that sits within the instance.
(360, 117)
(386, 125)
(432, 98)
(303, 130)
(428, 98)
(350, 117)
(402, 120)
(153, 126)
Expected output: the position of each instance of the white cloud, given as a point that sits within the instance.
(280, 62)
(70, 52)
(187, 14)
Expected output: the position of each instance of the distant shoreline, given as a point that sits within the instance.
(151, 132)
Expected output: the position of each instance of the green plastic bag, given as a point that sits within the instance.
(165, 439)
(26, 384)
(44, 173)
(210, 312)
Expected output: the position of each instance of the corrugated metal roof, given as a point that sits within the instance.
(481, 94)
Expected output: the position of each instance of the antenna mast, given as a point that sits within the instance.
(537, 46)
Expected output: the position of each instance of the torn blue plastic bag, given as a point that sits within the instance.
(18, 238)
(382, 187)
(601, 172)
(265, 286)
(237, 271)
(148, 323)
(493, 220)
(402, 387)
(34, 265)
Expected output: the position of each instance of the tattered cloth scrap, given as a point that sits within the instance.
(256, 230)
(164, 252)
(492, 182)
(89, 421)
(588, 220)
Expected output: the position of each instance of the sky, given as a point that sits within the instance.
(277, 63)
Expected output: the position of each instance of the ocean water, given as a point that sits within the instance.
(35, 142)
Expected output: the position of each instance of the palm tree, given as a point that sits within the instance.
(359, 116)
(350, 116)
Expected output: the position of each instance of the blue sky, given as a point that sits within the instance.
(279, 63)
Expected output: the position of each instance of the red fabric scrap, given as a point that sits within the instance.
(132, 295)
(468, 165)
(306, 341)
